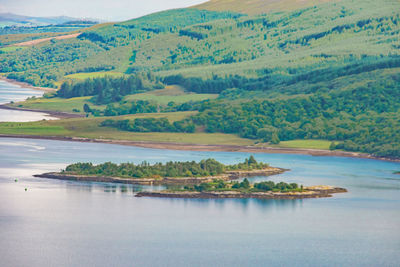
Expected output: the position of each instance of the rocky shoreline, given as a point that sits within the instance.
(228, 176)
(309, 192)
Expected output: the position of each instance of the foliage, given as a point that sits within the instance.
(207, 167)
(244, 186)
(150, 125)
(105, 89)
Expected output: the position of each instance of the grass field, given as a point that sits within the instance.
(11, 48)
(85, 75)
(89, 128)
(170, 93)
(311, 144)
(57, 104)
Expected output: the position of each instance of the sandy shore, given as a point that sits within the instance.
(27, 85)
(202, 147)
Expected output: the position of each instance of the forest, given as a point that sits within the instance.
(206, 167)
(245, 186)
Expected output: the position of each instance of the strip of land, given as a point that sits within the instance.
(56, 114)
(227, 176)
(38, 41)
(27, 85)
(308, 192)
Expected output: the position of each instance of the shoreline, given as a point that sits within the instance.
(227, 176)
(27, 85)
(311, 192)
(205, 147)
(56, 114)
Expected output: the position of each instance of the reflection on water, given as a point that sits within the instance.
(103, 224)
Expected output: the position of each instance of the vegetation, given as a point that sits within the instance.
(245, 186)
(63, 27)
(89, 128)
(325, 72)
(208, 167)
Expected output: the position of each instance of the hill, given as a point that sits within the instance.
(10, 19)
(258, 7)
(329, 72)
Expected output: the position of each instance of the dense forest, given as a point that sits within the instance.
(107, 89)
(364, 118)
(206, 167)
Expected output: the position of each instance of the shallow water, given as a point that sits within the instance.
(60, 223)
(10, 92)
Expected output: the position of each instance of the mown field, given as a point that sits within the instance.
(170, 94)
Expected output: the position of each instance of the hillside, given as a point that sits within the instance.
(253, 7)
(324, 72)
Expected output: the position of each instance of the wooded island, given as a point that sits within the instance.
(205, 179)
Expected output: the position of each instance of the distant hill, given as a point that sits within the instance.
(10, 19)
(258, 6)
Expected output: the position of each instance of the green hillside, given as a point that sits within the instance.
(325, 72)
(258, 7)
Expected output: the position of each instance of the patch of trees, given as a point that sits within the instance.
(105, 89)
(193, 34)
(206, 167)
(150, 125)
(244, 186)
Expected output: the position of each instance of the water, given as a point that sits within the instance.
(61, 223)
(10, 92)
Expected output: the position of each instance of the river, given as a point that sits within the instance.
(61, 223)
(10, 92)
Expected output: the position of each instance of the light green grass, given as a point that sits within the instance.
(89, 128)
(11, 48)
(57, 104)
(86, 75)
(170, 94)
(311, 144)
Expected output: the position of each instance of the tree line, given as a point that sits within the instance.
(206, 167)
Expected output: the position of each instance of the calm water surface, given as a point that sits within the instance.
(59, 223)
(10, 92)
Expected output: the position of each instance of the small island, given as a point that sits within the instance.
(261, 190)
(170, 173)
(205, 179)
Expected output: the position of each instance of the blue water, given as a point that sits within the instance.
(10, 92)
(60, 223)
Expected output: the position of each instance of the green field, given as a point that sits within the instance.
(86, 75)
(11, 48)
(57, 104)
(170, 94)
(311, 144)
(89, 128)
